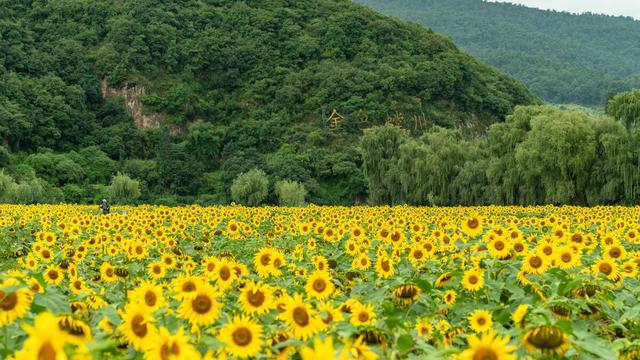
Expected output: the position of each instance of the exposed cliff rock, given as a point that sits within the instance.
(133, 104)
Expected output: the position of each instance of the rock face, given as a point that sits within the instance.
(133, 104)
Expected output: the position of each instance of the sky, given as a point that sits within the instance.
(609, 7)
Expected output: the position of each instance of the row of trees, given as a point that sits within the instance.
(122, 190)
(539, 155)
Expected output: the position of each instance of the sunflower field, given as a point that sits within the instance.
(157, 283)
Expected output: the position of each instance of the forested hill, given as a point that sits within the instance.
(561, 57)
(214, 88)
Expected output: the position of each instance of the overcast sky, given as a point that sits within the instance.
(610, 7)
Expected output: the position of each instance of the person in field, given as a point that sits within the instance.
(105, 207)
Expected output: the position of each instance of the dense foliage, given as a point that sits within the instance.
(237, 85)
(320, 283)
(561, 57)
(540, 155)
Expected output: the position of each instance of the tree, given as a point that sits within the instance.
(250, 188)
(123, 189)
(625, 107)
(380, 150)
(557, 154)
(290, 193)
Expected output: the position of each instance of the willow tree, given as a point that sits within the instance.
(558, 153)
(625, 107)
(380, 150)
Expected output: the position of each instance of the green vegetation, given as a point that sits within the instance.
(540, 155)
(562, 58)
(233, 85)
(250, 188)
(290, 193)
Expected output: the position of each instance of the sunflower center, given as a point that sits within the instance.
(53, 275)
(255, 298)
(166, 351)
(547, 250)
(211, 267)
(188, 286)
(565, 257)
(499, 245)
(319, 285)
(109, 272)
(157, 269)
(138, 326)
(473, 279)
(384, 233)
(519, 247)
(225, 273)
(9, 301)
(605, 268)
(265, 259)
(615, 253)
(481, 321)
(46, 254)
(472, 223)
(47, 352)
(277, 263)
(363, 316)
(242, 336)
(417, 254)
(385, 265)
(150, 298)
(535, 262)
(201, 304)
(301, 316)
(485, 354)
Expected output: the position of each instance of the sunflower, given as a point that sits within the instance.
(14, 303)
(519, 314)
(363, 314)
(184, 285)
(384, 267)
(224, 274)
(137, 326)
(499, 248)
(52, 275)
(480, 321)
(546, 339)
(607, 268)
(329, 314)
(362, 262)
(443, 279)
(424, 328)
(473, 279)
(200, 307)
(156, 270)
(319, 285)
(149, 295)
(170, 347)
(322, 349)
(108, 273)
(243, 337)
(566, 258)
(406, 294)
(472, 226)
(256, 298)
(488, 346)
(302, 320)
(45, 339)
(449, 297)
(535, 264)
(78, 333)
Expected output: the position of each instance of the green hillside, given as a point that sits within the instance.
(562, 58)
(186, 95)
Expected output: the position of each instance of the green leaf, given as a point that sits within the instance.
(404, 343)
